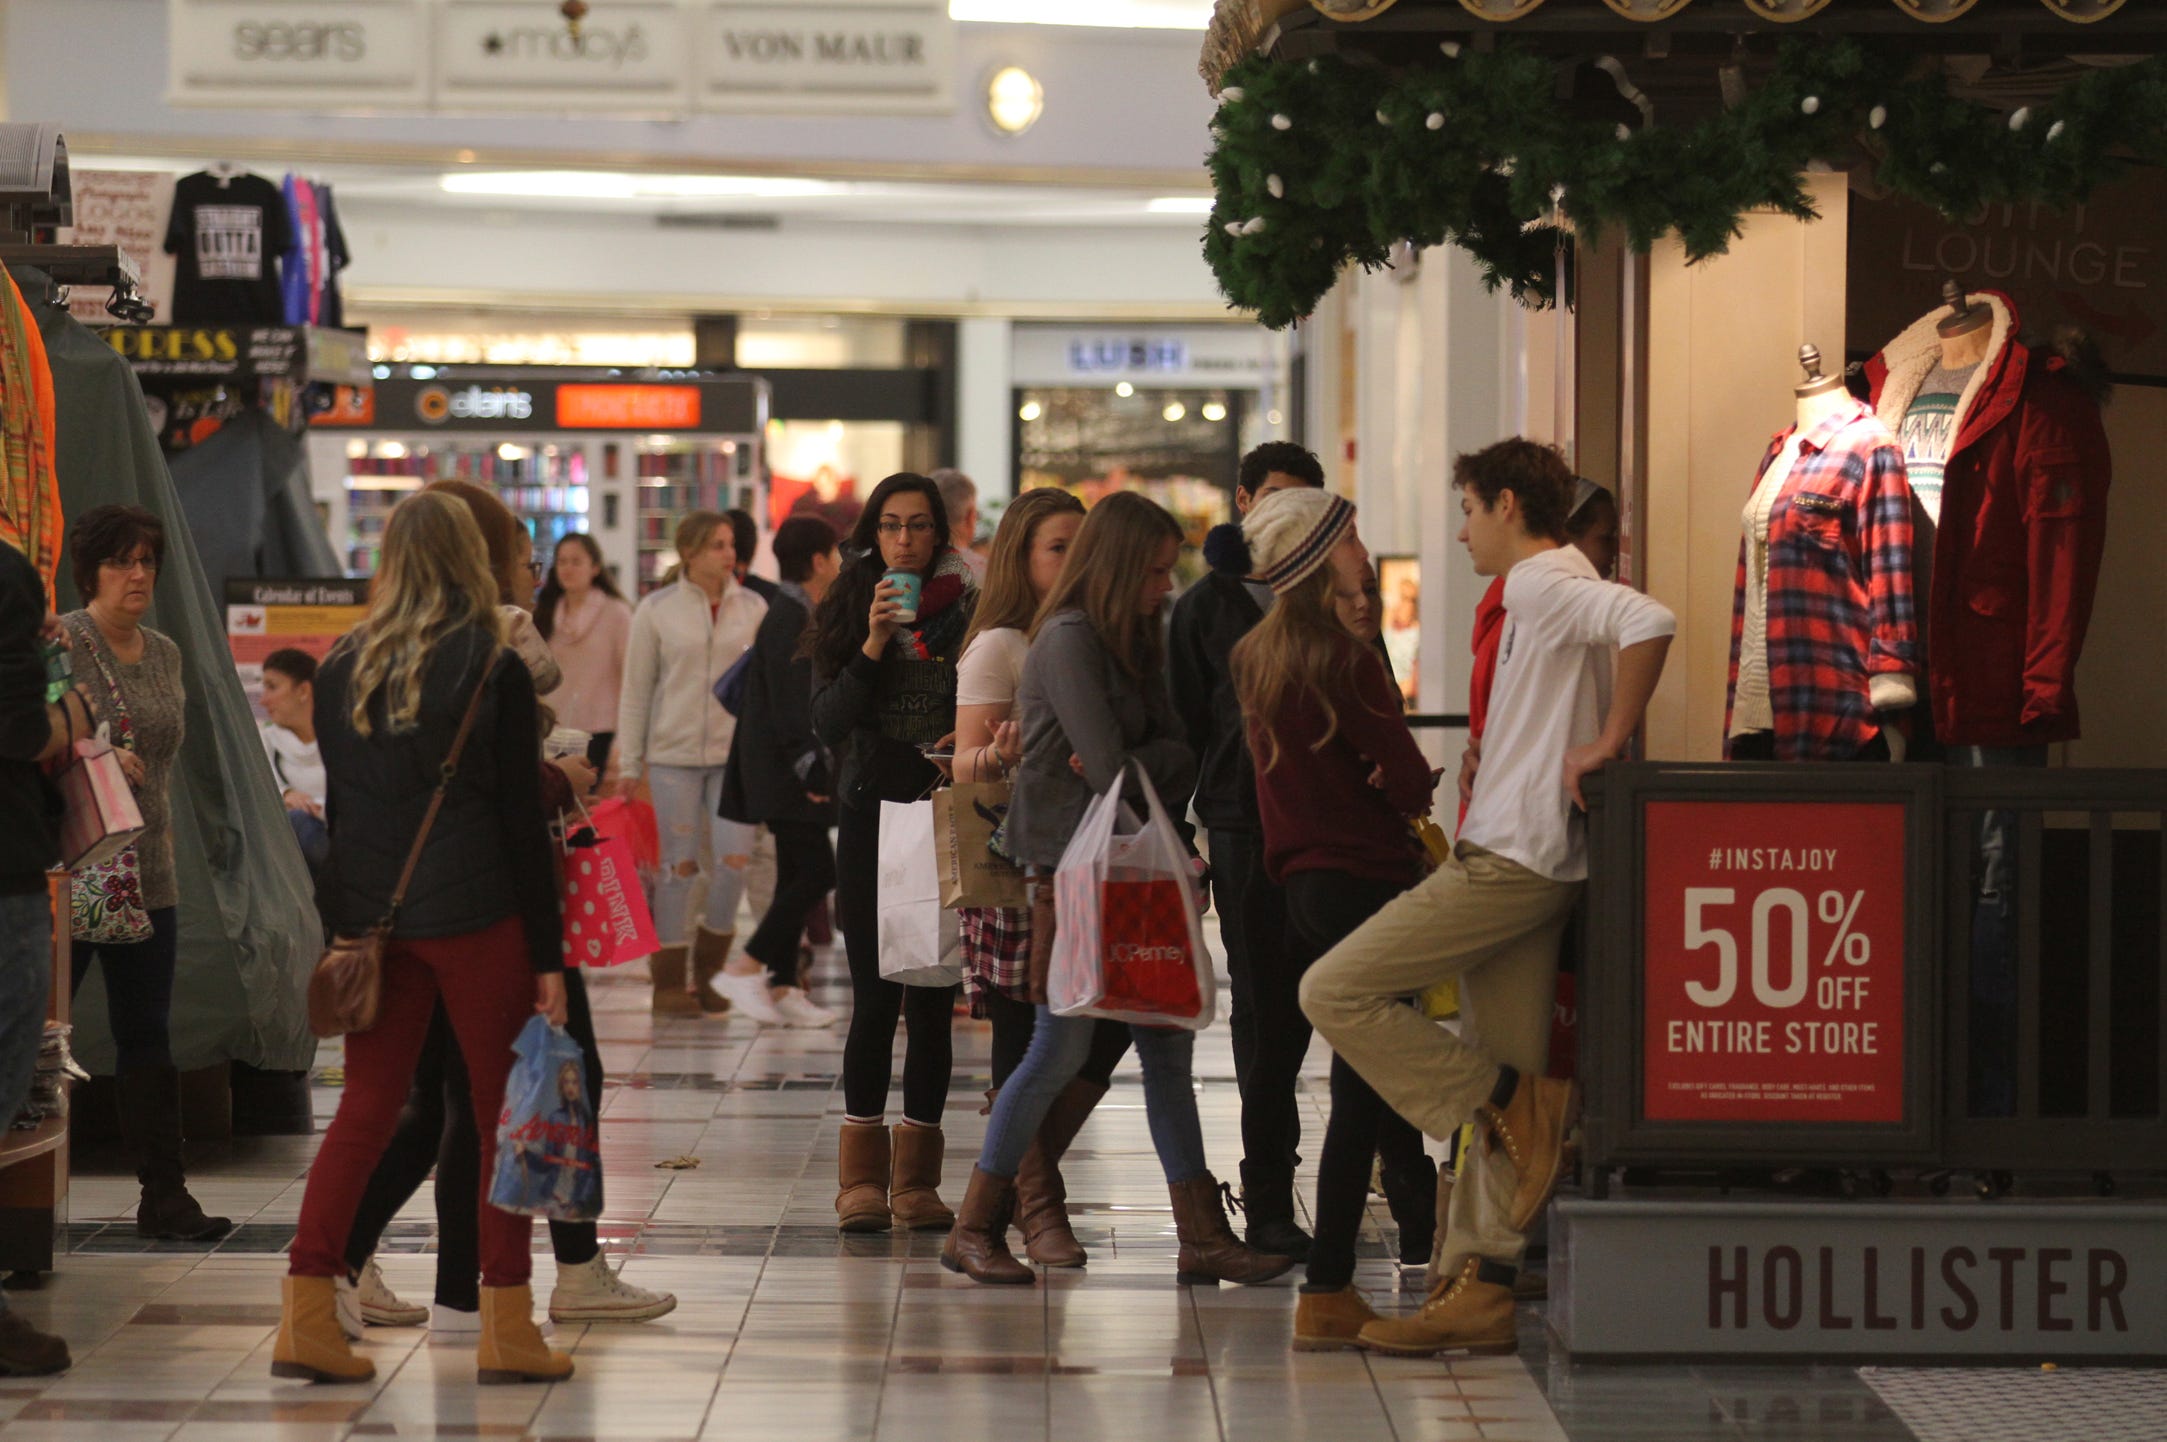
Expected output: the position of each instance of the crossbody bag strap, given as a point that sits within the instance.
(123, 726)
(443, 785)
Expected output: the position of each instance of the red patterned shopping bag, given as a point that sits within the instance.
(1148, 965)
(606, 920)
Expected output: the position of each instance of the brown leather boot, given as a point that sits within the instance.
(1536, 1130)
(914, 1190)
(1331, 1321)
(1210, 1252)
(710, 949)
(310, 1344)
(977, 1245)
(1041, 1195)
(1471, 1313)
(861, 1204)
(511, 1349)
(667, 967)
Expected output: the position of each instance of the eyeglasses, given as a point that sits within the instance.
(148, 563)
(917, 526)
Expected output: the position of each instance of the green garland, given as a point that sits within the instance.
(1323, 163)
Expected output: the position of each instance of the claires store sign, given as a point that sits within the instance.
(632, 57)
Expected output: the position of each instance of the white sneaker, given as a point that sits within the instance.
(798, 1009)
(382, 1307)
(748, 997)
(450, 1321)
(348, 1303)
(591, 1292)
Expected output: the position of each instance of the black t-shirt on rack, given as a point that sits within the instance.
(226, 235)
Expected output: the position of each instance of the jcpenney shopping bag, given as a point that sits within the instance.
(920, 940)
(1128, 939)
(606, 920)
(549, 1160)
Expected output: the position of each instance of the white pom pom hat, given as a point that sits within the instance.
(1291, 532)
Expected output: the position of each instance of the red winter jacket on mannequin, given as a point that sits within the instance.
(2023, 523)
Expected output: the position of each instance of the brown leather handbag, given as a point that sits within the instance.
(348, 982)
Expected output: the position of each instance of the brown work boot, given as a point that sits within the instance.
(511, 1348)
(1471, 1313)
(1331, 1321)
(861, 1204)
(977, 1244)
(1041, 1195)
(914, 1189)
(710, 949)
(1535, 1127)
(667, 967)
(27, 1352)
(1210, 1252)
(310, 1345)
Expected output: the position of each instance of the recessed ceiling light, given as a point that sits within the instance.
(1030, 411)
(1174, 411)
(1124, 390)
(1014, 100)
(1179, 205)
(1213, 411)
(620, 185)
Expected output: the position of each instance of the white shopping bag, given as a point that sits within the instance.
(921, 942)
(1128, 938)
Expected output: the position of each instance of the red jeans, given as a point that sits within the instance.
(488, 992)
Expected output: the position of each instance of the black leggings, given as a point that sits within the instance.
(138, 989)
(1014, 1021)
(878, 1004)
(804, 873)
(1271, 1036)
(1326, 907)
(436, 1128)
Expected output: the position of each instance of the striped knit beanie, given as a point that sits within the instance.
(1290, 533)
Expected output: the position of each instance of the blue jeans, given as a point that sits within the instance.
(1994, 1020)
(686, 799)
(1059, 1045)
(26, 973)
(315, 839)
(138, 990)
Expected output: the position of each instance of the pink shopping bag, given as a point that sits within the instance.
(102, 816)
(606, 920)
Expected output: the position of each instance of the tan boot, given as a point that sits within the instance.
(1536, 1130)
(710, 949)
(861, 1203)
(1471, 1313)
(1041, 1195)
(914, 1192)
(1210, 1252)
(310, 1344)
(512, 1349)
(667, 967)
(1331, 1321)
(977, 1245)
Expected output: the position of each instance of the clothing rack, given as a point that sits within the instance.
(100, 265)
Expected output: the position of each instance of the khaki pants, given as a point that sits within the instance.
(1495, 925)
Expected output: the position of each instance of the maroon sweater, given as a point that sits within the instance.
(1320, 813)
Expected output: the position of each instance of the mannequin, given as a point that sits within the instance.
(1824, 558)
(1966, 333)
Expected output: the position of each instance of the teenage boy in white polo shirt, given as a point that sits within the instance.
(1579, 660)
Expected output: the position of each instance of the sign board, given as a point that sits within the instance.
(127, 208)
(629, 56)
(2101, 267)
(302, 54)
(1234, 356)
(1773, 962)
(877, 56)
(265, 615)
(514, 402)
(242, 352)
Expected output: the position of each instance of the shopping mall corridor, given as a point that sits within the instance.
(720, 1151)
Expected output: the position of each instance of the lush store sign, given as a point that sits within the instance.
(633, 57)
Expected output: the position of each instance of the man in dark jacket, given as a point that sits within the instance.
(1270, 1034)
(777, 775)
(31, 731)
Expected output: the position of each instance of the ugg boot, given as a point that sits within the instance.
(511, 1349)
(977, 1245)
(914, 1192)
(1471, 1313)
(27, 1352)
(1041, 1194)
(1331, 1321)
(310, 1345)
(667, 967)
(1209, 1251)
(150, 1125)
(861, 1203)
(1535, 1127)
(710, 949)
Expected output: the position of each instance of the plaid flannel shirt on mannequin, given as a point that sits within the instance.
(1840, 606)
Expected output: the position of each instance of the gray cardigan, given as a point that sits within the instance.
(1074, 701)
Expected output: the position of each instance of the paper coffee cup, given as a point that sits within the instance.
(912, 586)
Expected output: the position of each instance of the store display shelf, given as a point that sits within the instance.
(49, 1135)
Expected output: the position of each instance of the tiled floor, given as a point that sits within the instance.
(788, 1331)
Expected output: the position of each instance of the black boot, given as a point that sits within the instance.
(1267, 1202)
(1410, 1192)
(150, 1124)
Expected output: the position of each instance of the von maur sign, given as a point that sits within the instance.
(631, 57)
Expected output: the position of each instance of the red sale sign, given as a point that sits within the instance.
(1774, 962)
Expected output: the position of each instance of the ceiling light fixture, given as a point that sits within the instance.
(1030, 411)
(620, 185)
(1124, 390)
(1174, 411)
(1115, 14)
(1213, 411)
(1179, 205)
(1014, 99)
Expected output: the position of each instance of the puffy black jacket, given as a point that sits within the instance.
(488, 855)
(29, 807)
(775, 760)
(1208, 619)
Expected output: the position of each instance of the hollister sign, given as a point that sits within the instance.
(306, 53)
(828, 56)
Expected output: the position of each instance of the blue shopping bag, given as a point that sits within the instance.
(549, 1160)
